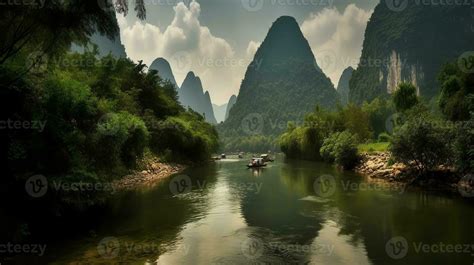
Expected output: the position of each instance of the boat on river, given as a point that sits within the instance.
(256, 163)
(266, 158)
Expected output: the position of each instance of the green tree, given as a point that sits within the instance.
(423, 142)
(405, 97)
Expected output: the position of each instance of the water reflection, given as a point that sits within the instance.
(234, 215)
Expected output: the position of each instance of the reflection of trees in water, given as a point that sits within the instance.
(375, 217)
(154, 218)
(278, 212)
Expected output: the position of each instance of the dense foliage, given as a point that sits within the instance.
(340, 148)
(423, 142)
(306, 141)
(405, 97)
(100, 116)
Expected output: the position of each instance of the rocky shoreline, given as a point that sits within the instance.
(155, 171)
(377, 167)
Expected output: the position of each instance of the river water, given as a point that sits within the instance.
(291, 212)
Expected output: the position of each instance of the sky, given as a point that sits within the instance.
(217, 39)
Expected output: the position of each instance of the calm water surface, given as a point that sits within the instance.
(277, 215)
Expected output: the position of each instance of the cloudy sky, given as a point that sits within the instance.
(218, 38)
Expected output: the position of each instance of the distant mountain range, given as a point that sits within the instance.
(219, 112)
(191, 94)
(282, 84)
(410, 45)
(230, 104)
(343, 85)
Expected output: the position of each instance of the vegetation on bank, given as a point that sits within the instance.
(100, 116)
(421, 136)
(334, 135)
(77, 118)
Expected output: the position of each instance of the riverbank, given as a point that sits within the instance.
(377, 166)
(154, 172)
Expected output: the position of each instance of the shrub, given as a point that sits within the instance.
(341, 148)
(405, 97)
(423, 143)
(121, 138)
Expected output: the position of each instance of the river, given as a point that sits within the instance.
(291, 212)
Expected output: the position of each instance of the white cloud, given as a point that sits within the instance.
(336, 38)
(188, 46)
(252, 49)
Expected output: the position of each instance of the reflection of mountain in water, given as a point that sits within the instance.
(279, 216)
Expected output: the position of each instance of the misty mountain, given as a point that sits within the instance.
(191, 94)
(230, 104)
(219, 112)
(343, 85)
(164, 70)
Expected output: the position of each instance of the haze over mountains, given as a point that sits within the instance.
(282, 83)
(343, 84)
(230, 104)
(191, 94)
